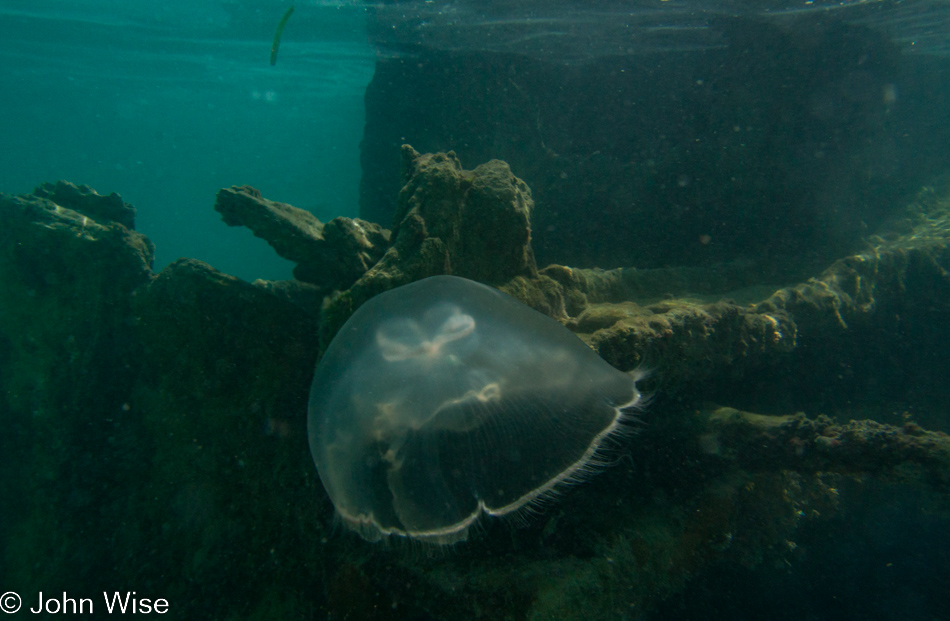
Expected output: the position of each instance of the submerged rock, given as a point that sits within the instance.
(331, 255)
(482, 216)
(156, 422)
(469, 223)
(69, 358)
(87, 201)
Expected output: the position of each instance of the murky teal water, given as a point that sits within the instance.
(166, 103)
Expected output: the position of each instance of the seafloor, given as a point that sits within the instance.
(793, 461)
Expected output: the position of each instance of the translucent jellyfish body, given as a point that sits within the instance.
(446, 399)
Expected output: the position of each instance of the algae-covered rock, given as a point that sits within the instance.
(474, 224)
(225, 339)
(482, 216)
(67, 281)
(331, 255)
(156, 436)
(69, 355)
(230, 487)
(87, 201)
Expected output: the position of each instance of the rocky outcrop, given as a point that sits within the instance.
(331, 256)
(156, 423)
(85, 200)
(470, 223)
(482, 217)
(160, 414)
(758, 442)
(69, 358)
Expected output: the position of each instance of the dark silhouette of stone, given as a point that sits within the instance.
(331, 255)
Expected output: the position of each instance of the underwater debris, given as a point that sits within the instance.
(278, 34)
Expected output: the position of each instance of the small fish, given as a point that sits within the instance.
(277, 35)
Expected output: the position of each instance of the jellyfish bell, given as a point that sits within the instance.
(445, 400)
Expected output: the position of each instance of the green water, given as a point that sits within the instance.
(165, 104)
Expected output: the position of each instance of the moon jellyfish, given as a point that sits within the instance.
(445, 399)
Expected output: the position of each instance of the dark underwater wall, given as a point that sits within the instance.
(788, 141)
